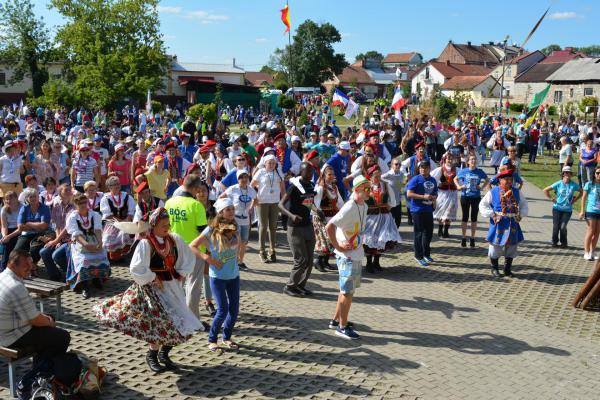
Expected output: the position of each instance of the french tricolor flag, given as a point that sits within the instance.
(339, 98)
(398, 101)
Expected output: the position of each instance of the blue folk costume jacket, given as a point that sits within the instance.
(508, 230)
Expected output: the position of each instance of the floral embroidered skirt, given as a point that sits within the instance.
(139, 312)
(323, 246)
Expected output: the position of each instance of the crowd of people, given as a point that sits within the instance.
(83, 190)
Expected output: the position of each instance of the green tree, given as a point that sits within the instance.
(209, 113)
(285, 102)
(444, 108)
(267, 70)
(550, 48)
(24, 43)
(195, 111)
(314, 59)
(588, 101)
(371, 54)
(406, 91)
(592, 51)
(114, 49)
(218, 94)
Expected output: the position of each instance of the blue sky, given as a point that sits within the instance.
(217, 31)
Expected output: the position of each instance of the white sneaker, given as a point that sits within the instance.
(586, 256)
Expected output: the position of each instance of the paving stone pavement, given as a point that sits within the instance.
(448, 331)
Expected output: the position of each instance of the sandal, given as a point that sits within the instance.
(214, 348)
(229, 345)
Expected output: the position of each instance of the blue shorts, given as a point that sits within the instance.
(590, 215)
(350, 272)
(244, 232)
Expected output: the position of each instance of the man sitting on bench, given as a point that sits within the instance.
(21, 324)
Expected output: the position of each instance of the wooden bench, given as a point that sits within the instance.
(43, 289)
(12, 356)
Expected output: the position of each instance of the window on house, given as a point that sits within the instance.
(427, 73)
(509, 71)
(558, 96)
(571, 93)
(2, 78)
(588, 91)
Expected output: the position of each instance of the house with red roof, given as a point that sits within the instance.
(432, 75)
(395, 60)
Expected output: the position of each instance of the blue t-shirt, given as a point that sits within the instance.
(589, 155)
(421, 185)
(592, 205)
(325, 151)
(25, 216)
(227, 256)
(230, 179)
(564, 195)
(471, 179)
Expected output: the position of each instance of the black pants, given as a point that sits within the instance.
(533, 148)
(302, 244)
(560, 219)
(8, 247)
(520, 149)
(470, 207)
(24, 243)
(423, 229)
(397, 214)
(46, 341)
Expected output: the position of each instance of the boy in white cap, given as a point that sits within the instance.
(345, 230)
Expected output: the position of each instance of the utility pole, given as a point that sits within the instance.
(502, 78)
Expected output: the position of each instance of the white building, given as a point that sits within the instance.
(433, 75)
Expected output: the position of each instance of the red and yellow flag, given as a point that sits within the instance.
(285, 17)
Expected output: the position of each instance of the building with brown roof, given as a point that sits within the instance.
(258, 79)
(488, 55)
(480, 88)
(514, 67)
(395, 60)
(365, 75)
(562, 56)
(434, 74)
(532, 81)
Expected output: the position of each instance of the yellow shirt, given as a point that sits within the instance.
(158, 183)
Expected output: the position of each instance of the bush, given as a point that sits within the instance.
(588, 101)
(303, 118)
(285, 102)
(516, 107)
(156, 106)
(552, 110)
(445, 108)
(195, 111)
(209, 113)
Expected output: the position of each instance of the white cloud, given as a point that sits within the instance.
(206, 17)
(261, 40)
(168, 9)
(345, 35)
(564, 15)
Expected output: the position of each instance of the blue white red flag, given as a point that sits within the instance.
(339, 98)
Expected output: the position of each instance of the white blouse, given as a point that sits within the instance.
(105, 207)
(140, 262)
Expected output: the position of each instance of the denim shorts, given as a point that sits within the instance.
(244, 232)
(589, 215)
(350, 272)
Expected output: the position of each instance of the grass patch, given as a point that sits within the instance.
(545, 172)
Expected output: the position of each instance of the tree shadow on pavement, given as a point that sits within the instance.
(227, 380)
(476, 343)
(419, 303)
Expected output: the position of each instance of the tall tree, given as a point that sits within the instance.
(114, 49)
(24, 43)
(550, 48)
(371, 55)
(312, 55)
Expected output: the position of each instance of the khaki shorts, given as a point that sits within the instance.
(7, 187)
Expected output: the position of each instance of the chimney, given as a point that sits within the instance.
(234, 61)
(569, 49)
(448, 62)
(450, 41)
(491, 43)
(469, 44)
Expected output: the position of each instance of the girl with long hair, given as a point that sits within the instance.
(222, 239)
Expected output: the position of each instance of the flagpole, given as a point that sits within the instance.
(291, 60)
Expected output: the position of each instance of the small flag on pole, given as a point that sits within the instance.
(285, 17)
(351, 108)
(339, 98)
(398, 101)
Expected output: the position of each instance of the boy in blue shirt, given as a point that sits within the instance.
(422, 192)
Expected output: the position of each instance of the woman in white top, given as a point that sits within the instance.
(328, 201)
(88, 258)
(269, 185)
(116, 205)
(565, 155)
(11, 168)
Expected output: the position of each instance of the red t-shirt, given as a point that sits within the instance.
(534, 135)
(122, 171)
